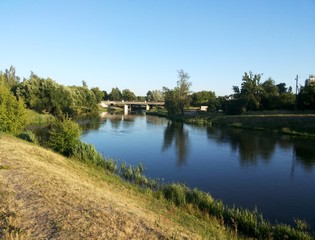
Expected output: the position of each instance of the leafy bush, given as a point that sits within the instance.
(87, 153)
(64, 136)
(29, 136)
(12, 112)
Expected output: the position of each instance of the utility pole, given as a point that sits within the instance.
(296, 91)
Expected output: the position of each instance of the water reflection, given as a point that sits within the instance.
(255, 146)
(251, 146)
(175, 132)
(305, 155)
(89, 122)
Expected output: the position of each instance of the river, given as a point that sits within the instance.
(275, 174)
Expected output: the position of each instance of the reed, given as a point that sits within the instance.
(249, 223)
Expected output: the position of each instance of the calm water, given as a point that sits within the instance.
(245, 168)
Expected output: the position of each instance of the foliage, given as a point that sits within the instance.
(171, 102)
(155, 96)
(99, 95)
(234, 107)
(12, 112)
(270, 95)
(250, 92)
(254, 95)
(306, 97)
(29, 136)
(8, 78)
(202, 98)
(35, 118)
(115, 94)
(86, 153)
(64, 136)
(127, 95)
(287, 101)
(45, 95)
(178, 99)
(281, 88)
(141, 98)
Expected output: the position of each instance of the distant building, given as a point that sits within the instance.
(311, 79)
(204, 108)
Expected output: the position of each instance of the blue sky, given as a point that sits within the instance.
(140, 45)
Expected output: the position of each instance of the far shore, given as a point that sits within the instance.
(297, 124)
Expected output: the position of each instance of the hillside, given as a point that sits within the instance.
(46, 196)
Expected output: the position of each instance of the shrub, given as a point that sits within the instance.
(64, 136)
(87, 153)
(29, 136)
(12, 112)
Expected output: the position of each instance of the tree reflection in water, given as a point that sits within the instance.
(254, 146)
(305, 155)
(251, 146)
(175, 132)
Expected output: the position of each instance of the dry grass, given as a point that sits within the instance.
(45, 196)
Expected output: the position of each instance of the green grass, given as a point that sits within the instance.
(35, 118)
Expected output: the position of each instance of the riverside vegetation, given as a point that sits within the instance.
(193, 203)
(32, 177)
(273, 122)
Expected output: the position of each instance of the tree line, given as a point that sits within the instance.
(253, 95)
(45, 95)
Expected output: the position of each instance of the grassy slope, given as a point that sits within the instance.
(46, 196)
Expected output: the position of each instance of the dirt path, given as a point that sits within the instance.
(51, 197)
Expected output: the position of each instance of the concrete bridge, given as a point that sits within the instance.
(127, 105)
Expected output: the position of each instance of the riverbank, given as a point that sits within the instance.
(47, 196)
(63, 197)
(275, 123)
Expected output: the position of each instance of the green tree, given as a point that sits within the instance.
(115, 94)
(306, 96)
(171, 102)
(128, 95)
(270, 95)
(105, 95)
(12, 112)
(250, 93)
(99, 95)
(64, 135)
(141, 98)
(282, 88)
(178, 99)
(287, 101)
(149, 96)
(9, 78)
(204, 98)
(155, 96)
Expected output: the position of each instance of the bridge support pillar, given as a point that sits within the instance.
(126, 109)
(147, 107)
